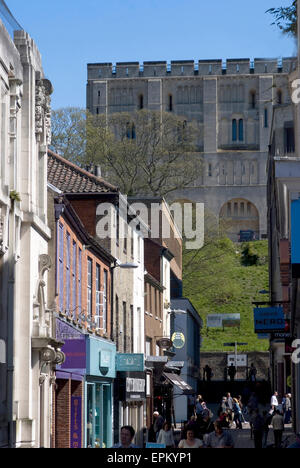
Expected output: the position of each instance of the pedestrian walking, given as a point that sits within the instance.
(237, 414)
(288, 408)
(190, 441)
(258, 429)
(207, 372)
(267, 421)
(252, 373)
(229, 404)
(220, 438)
(126, 438)
(232, 372)
(274, 401)
(166, 436)
(278, 428)
(158, 422)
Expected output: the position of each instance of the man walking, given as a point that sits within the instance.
(278, 428)
(274, 401)
(232, 372)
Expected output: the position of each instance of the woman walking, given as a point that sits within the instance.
(237, 414)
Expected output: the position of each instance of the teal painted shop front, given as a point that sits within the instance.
(100, 375)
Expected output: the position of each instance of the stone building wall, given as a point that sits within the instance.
(213, 94)
(218, 361)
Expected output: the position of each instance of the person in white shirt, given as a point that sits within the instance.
(190, 441)
(166, 436)
(274, 401)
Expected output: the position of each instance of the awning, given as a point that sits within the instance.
(175, 379)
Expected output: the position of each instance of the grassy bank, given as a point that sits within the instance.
(225, 278)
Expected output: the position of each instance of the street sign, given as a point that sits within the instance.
(269, 320)
(214, 321)
(223, 320)
(241, 360)
(231, 320)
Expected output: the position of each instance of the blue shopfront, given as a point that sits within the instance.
(100, 375)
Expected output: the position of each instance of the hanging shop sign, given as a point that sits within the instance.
(269, 320)
(178, 340)
(129, 362)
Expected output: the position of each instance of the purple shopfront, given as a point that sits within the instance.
(83, 403)
(70, 384)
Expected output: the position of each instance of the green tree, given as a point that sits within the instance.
(286, 18)
(144, 152)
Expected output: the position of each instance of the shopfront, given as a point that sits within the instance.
(68, 402)
(101, 355)
(130, 395)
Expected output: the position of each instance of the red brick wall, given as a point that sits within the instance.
(86, 210)
(64, 390)
(152, 258)
(96, 260)
(63, 414)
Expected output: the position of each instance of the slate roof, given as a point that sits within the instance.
(69, 178)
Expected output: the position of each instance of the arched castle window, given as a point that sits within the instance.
(234, 130)
(141, 101)
(170, 104)
(241, 130)
(279, 97)
(253, 99)
(266, 123)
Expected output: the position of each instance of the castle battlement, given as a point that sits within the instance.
(186, 68)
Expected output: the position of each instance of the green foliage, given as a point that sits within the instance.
(285, 18)
(218, 281)
(144, 152)
(14, 195)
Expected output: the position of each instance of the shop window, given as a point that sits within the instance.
(90, 287)
(105, 296)
(79, 281)
(99, 415)
(61, 266)
(68, 273)
(74, 271)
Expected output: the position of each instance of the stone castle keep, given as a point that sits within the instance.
(232, 105)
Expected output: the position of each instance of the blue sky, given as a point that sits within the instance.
(72, 33)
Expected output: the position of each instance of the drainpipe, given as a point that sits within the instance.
(10, 326)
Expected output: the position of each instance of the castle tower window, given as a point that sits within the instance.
(241, 130)
(209, 170)
(141, 101)
(170, 103)
(253, 99)
(279, 96)
(266, 123)
(234, 130)
(242, 209)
